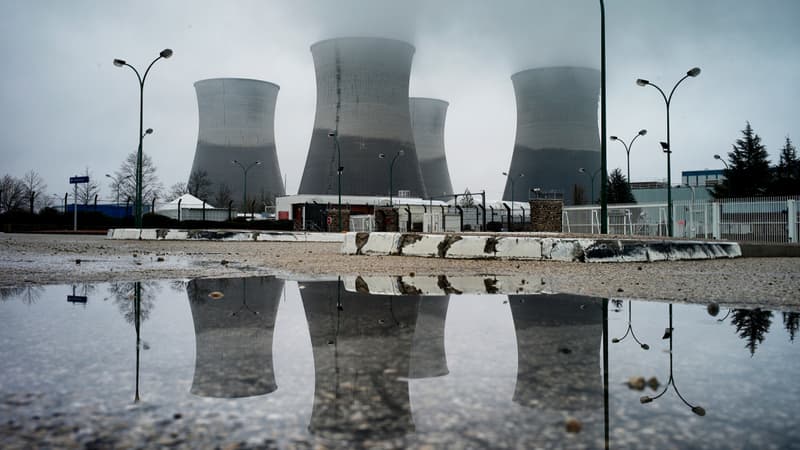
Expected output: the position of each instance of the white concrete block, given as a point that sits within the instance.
(519, 247)
(176, 235)
(469, 247)
(381, 244)
(148, 234)
(427, 245)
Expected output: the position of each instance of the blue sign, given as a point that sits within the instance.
(78, 180)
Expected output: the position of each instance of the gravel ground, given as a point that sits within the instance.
(51, 259)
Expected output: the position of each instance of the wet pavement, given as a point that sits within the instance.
(267, 362)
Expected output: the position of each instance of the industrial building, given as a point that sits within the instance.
(362, 113)
(557, 133)
(427, 122)
(236, 141)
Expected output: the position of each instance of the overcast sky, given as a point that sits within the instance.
(65, 106)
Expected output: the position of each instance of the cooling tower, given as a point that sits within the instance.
(428, 357)
(558, 350)
(234, 320)
(362, 98)
(427, 122)
(361, 359)
(237, 122)
(557, 131)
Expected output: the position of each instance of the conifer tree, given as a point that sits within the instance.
(748, 172)
(619, 190)
(752, 325)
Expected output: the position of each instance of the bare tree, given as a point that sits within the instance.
(178, 189)
(467, 201)
(199, 184)
(223, 196)
(151, 185)
(12, 193)
(34, 189)
(88, 191)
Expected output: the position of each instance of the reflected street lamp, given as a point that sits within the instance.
(591, 177)
(719, 158)
(391, 167)
(244, 190)
(628, 148)
(697, 409)
(668, 150)
(166, 53)
(630, 330)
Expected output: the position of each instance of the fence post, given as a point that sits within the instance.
(791, 222)
(715, 219)
(179, 209)
(460, 218)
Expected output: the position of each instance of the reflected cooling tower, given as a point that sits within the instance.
(361, 345)
(234, 320)
(427, 122)
(428, 357)
(362, 97)
(557, 132)
(558, 349)
(237, 122)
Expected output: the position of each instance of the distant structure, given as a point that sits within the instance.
(427, 122)
(237, 122)
(362, 99)
(234, 321)
(557, 133)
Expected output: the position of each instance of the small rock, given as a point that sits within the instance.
(77, 261)
(224, 262)
(573, 425)
(636, 383)
(620, 290)
(160, 259)
(177, 416)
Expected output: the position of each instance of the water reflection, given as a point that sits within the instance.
(668, 334)
(124, 295)
(234, 321)
(362, 346)
(558, 351)
(428, 357)
(630, 331)
(791, 320)
(752, 325)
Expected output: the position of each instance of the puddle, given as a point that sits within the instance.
(387, 362)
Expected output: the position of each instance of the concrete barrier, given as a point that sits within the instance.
(221, 235)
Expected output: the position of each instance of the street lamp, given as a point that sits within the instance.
(511, 181)
(391, 166)
(335, 135)
(628, 148)
(717, 157)
(668, 150)
(245, 169)
(583, 170)
(166, 53)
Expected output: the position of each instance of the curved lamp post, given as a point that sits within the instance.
(719, 158)
(668, 149)
(630, 330)
(511, 181)
(245, 169)
(166, 53)
(335, 135)
(697, 409)
(583, 170)
(628, 148)
(391, 167)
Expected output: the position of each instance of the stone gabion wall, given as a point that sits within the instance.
(333, 219)
(546, 215)
(386, 219)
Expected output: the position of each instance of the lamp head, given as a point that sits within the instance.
(645, 347)
(119, 62)
(148, 131)
(258, 163)
(109, 176)
(615, 340)
(713, 309)
(581, 170)
(645, 399)
(613, 138)
(667, 333)
(664, 147)
(642, 82)
(717, 157)
(234, 161)
(401, 152)
(642, 132)
(166, 53)
(381, 155)
(699, 409)
(331, 134)
(695, 71)
(505, 174)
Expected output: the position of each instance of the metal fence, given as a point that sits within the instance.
(765, 219)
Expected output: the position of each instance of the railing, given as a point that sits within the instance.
(765, 219)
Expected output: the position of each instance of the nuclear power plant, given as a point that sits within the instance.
(236, 139)
(362, 113)
(557, 132)
(427, 122)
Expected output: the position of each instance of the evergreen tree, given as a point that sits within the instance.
(787, 174)
(752, 325)
(619, 190)
(791, 321)
(748, 172)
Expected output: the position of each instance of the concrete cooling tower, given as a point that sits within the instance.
(428, 356)
(234, 321)
(557, 132)
(427, 122)
(237, 122)
(362, 97)
(361, 345)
